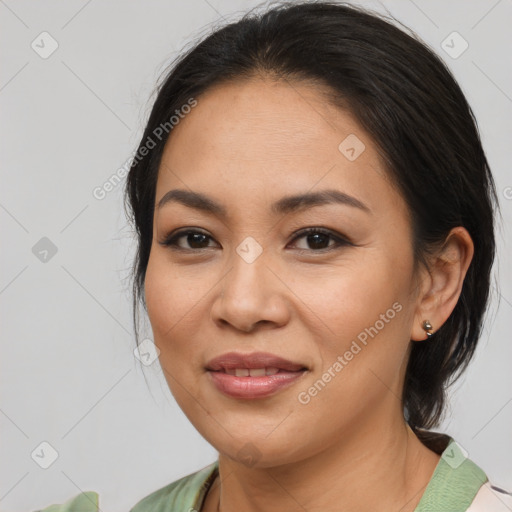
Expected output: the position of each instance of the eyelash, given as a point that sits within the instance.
(339, 241)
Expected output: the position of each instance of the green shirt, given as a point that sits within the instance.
(453, 487)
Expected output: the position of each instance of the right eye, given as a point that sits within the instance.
(195, 239)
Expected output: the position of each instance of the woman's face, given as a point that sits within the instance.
(340, 302)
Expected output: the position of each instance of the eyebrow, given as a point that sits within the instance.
(284, 205)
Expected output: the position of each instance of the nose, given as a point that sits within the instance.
(251, 295)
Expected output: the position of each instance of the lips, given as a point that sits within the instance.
(250, 376)
(254, 361)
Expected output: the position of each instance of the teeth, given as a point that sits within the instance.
(253, 372)
(257, 372)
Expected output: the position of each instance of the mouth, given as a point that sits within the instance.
(251, 372)
(256, 375)
(233, 361)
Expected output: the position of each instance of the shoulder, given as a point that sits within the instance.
(458, 484)
(84, 502)
(491, 499)
(183, 494)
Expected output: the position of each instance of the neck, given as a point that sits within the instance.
(385, 469)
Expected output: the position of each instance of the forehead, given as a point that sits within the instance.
(260, 119)
(258, 136)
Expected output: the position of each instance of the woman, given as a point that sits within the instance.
(315, 221)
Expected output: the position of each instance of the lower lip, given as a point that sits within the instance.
(253, 387)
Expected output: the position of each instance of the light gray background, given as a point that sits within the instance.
(70, 121)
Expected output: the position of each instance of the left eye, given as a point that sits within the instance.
(318, 239)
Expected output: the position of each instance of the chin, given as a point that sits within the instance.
(253, 450)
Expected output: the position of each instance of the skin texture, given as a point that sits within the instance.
(246, 145)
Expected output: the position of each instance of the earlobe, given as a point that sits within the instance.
(447, 271)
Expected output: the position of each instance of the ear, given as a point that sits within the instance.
(442, 284)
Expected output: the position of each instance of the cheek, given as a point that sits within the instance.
(361, 312)
(172, 305)
(171, 302)
(173, 295)
(347, 298)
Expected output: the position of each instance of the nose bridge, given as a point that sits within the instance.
(249, 250)
(247, 276)
(249, 293)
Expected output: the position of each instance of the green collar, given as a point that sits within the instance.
(454, 483)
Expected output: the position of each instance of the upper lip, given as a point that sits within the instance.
(233, 360)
